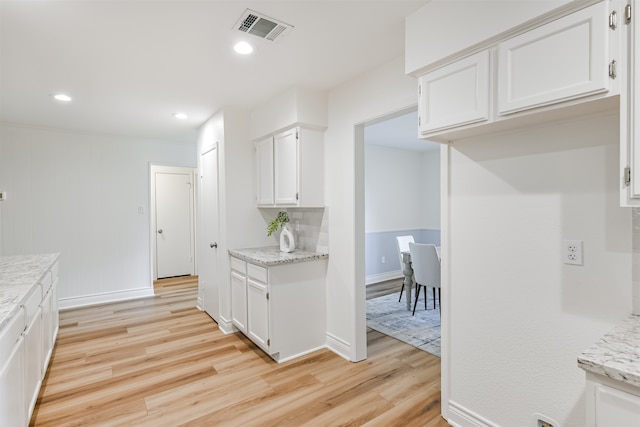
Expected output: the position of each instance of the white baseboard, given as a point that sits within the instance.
(286, 359)
(383, 277)
(459, 416)
(226, 326)
(338, 346)
(87, 300)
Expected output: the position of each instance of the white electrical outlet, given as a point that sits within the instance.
(572, 252)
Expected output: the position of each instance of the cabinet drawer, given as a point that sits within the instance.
(32, 303)
(257, 272)
(238, 265)
(10, 334)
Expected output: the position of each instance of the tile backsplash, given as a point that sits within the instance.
(309, 227)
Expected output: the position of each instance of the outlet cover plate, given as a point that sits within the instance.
(572, 252)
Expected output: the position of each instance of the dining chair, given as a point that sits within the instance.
(403, 246)
(426, 271)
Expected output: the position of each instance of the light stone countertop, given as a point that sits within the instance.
(617, 354)
(272, 255)
(18, 275)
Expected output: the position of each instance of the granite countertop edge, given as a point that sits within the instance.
(617, 354)
(271, 256)
(18, 276)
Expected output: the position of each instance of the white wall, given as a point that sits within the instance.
(467, 22)
(372, 95)
(240, 223)
(78, 194)
(402, 189)
(431, 187)
(518, 317)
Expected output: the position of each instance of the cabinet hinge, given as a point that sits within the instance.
(297, 137)
(613, 20)
(268, 341)
(627, 176)
(297, 197)
(419, 90)
(419, 120)
(612, 69)
(267, 296)
(627, 14)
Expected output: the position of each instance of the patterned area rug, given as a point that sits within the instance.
(385, 314)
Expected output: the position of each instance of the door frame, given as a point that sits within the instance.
(163, 168)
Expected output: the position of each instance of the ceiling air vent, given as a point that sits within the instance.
(262, 26)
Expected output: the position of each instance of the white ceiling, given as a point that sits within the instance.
(130, 64)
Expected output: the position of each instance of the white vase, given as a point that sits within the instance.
(287, 242)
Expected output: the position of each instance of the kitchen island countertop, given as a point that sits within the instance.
(18, 275)
(272, 255)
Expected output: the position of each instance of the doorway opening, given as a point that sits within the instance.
(401, 198)
(172, 219)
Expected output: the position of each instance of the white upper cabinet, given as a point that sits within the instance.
(630, 114)
(264, 175)
(566, 57)
(285, 155)
(455, 95)
(562, 60)
(290, 169)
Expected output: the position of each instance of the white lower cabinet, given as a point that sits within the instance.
(284, 305)
(239, 300)
(33, 367)
(12, 355)
(258, 313)
(26, 345)
(611, 403)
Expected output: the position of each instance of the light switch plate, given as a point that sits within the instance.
(3, 196)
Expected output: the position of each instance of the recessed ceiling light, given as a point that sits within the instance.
(180, 116)
(243, 48)
(61, 97)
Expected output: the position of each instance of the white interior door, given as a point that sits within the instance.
(208, 260)
(174, 224)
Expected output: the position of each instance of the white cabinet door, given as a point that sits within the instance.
(264, 172)
(565, 59)
(47, 329)
(629, 116)
(455, 95)
(33, 361)
(258, 313)
(285, 154)
(239, 300)
(616, 408)
(13, 408)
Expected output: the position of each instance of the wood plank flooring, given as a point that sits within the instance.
(161, 362)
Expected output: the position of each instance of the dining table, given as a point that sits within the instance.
(407, 272)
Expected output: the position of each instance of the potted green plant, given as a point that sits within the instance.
(279, 221)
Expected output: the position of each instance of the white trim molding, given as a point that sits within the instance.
(383, 277)
(116, 296)
(462, 417)
(339, 346)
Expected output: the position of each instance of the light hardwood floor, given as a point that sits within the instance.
(161, 362)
